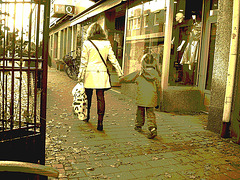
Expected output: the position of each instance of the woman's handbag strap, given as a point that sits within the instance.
(98, 52)
(101, 58)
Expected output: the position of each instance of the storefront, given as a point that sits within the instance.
(192, 48)
(177, 34)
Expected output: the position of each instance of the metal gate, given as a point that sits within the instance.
(24, 28)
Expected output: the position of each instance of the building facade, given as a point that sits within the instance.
(190, 41)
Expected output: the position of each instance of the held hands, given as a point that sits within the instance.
(120, 75)
(120, 79)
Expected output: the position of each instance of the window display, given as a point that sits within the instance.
(186, 42)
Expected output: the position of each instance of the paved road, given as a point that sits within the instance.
(183, 149)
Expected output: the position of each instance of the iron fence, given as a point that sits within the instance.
(23, 79)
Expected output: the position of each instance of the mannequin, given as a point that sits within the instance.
(190, 54)
(190, 42)
(179, 19)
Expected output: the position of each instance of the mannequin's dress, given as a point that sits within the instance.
(190, 54)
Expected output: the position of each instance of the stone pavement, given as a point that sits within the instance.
(183, 149)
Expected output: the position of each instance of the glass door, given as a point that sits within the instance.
(211, 48)
(207, 51)
(207, 59)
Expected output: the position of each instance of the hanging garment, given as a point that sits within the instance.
(190, 55)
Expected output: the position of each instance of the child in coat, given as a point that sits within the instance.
(148, 81)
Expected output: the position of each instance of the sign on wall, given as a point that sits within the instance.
(59, 10)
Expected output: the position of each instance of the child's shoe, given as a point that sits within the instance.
(138, 128)
(152, 134)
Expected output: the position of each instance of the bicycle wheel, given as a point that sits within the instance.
(70, 72)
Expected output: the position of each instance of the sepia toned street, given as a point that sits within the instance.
(183, 149)
(171, 64)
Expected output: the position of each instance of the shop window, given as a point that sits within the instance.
(146, 17)
(147, 34)
(118, 45)
(65, 42)
(79, 34)
(136, 23)
(134, 20)
(145, 20)
(130, 24)
(214, 4)
(55, 46)
(185, 50)
(213, 7)
(157, 18)
(61, 45)
(119, 23)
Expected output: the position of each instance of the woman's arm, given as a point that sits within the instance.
(112, 58)
(84, 63)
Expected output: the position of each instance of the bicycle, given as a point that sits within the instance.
(71, 66)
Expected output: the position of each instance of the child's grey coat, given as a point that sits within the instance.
(148, 85)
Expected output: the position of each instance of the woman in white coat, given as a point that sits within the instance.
(93, 71)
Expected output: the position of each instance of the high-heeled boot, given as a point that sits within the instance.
(100, 122)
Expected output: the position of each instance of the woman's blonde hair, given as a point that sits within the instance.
(96, 32)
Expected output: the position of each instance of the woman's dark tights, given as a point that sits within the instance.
(100, 105)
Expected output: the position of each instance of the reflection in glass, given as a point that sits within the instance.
(145, 33)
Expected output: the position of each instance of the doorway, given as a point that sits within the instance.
(207, 53)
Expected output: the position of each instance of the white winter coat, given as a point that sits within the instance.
(92, 70)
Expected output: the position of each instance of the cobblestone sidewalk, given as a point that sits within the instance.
(183, 148)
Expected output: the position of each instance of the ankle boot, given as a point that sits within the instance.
(100, 127)
(88, 116)
(100, 123)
